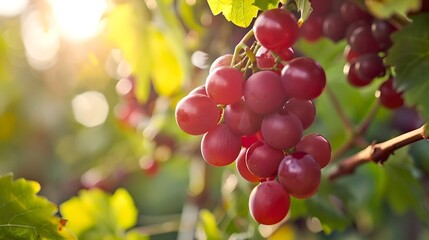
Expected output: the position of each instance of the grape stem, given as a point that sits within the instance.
(241, 45)
(377, 153)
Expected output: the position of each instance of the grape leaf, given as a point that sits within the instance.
(266, 4)
(95, 214)
(385, 8)
(25, 215)
(403, 189)
(410, 56)
(239, 12)
(304, 7)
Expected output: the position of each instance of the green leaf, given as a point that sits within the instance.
(410, 56)
(95, 214)
(330, 217)
(25, 215)
(403, 189)
(385, 8)
(239, 12)
(266, 4)
(304, 7)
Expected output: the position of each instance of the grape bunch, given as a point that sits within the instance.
(255, 113)
(368, 40)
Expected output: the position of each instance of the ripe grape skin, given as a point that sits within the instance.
(353, 78)
(281, 131)
(369, 66)
(312, 29)
(381, 30)
(317, 146)
(225, 85)
(303, 109)
(351, 12)
(220, 146)
(300, 175)
(222, 61)
(242, 169)
(263, 92)
(334, 27)
(262, 160)
(303, 78)
(248, 140)
(199, 90)
(389, 96)
(264, 58)
(196, 114)
(362, 40)
(241, 120)
(276, 29)
(269, 203)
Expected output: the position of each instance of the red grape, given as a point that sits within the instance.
(262, 160)
(242, 169)
(303, 78)
(220, 146)
(281, 131)
(389, 96)
(352, 12)
(312, 29)
(225, 85)
(196, 114)
(263, 92)
(317, 146)
(353, 78)
(199, 90)
(241, 120)
(276, 29)
(269, 203)
(334, 27)
(300, 175)
(222, 61)
(369, 66)
(362, 40)
(303, 109)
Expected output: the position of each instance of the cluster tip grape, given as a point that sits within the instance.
(259, 121)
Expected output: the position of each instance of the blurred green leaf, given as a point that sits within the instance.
(410, 56)
(304, 7)
(240, 12)
(330, 217)
(95, 214)
(404, 191)
(386, 8)
(25, 215)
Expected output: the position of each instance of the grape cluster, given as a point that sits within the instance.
(258, 120)
(368, 40)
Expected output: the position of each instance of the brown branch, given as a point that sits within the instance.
(377, 153)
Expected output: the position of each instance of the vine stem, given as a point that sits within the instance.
(377, 153)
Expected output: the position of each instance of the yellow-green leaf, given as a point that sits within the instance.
(123, 208)
(208, 223)
(25, 215)
(239, 12)
(385, 8)
(167, 73)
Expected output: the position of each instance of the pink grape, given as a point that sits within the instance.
(317, 146)
(281, 131)
(225, 85)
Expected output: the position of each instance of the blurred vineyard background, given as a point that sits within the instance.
(87, 97)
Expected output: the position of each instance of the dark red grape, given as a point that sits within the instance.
(248, 140)
(225, 85)
(303, 78)
(334, 27)
(312, 29)
(349, 54)
(300, 175)
(241, 120)
(286, 54)
(276, 29)
(281, 131)
(352, 12)
(303, 109)
(196, 114)
(317, 146)
(389, 96)
(381, 30)
(264, 58)
(369, 66)
(264, 92)
(353, 78)
(321, 7)
(269, 203)
(220, 146)
(242, 169)
(362, 40)
(262, 160)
